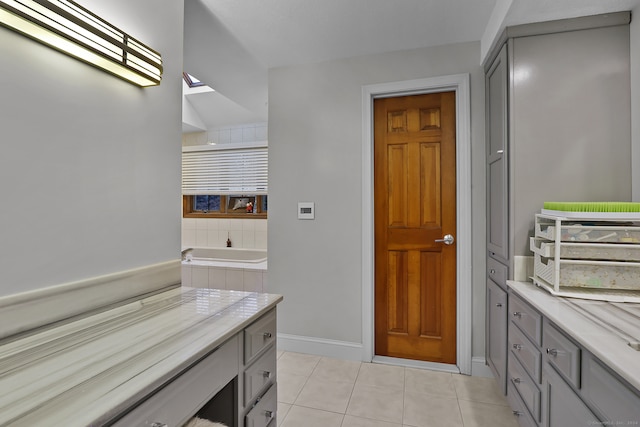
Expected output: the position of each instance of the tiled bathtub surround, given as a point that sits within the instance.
(235, 279)
(213, 233)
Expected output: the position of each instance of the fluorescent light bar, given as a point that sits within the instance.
(72, 29)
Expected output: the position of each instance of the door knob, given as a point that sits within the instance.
(447, 239)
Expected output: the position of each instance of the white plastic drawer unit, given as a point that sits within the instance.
(561, 353)
(526, 318)
(588, 274)
(263, 414)
(175, 403)
(592, 251)
(259, 335)
(576, 232)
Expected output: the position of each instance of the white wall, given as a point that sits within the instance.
(90, 164)
(315, 154)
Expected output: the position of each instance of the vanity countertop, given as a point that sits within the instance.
(603, 328)
(88, 371)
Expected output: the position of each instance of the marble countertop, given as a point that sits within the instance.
(88, 371)
(603, 328)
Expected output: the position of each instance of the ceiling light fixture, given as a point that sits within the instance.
(74, 30)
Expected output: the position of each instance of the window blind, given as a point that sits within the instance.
(227, 172)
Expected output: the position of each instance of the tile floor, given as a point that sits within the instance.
(316, 391)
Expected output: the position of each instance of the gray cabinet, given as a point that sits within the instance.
(557, 129)
(496, 87)
(552, 381)
(497, 333)
(562, 407)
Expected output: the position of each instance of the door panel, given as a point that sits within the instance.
(415, 196)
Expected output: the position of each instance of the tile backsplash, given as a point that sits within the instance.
(213, 233)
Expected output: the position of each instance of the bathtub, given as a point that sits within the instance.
(225, 268)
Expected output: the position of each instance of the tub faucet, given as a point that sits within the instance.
(185, 252)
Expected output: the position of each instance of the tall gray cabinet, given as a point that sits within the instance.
(558, 128)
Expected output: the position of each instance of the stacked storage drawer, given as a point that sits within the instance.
(589, 258)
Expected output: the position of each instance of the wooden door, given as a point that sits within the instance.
(415, 205)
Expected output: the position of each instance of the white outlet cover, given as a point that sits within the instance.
(306, 210)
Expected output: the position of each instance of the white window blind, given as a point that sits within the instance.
(220, 171)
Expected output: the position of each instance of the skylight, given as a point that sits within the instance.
(192, 81)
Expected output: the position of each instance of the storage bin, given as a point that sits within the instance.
(588, 274)
(580, 232)
(592, 251)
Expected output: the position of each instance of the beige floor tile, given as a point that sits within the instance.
(283, 410)
(422, 410)
(381, 375)
(336, 370)
(279, 353)
(429, 382)
(478, 389)
(376, 402)
(477, 414)
(308, 417)
(326, 395)
(351, 421)
(297, 363)
(289, 386)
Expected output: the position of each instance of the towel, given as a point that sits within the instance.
(201, 422)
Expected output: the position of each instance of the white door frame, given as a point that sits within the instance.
(460, 84)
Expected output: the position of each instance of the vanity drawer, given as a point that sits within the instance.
(561, 353)
(527, 353)
(526, 318)
(520, 410)
(526, 387)
(258, 375)
(616, 402)
(264, 412)
(178, 401)
(259, 335)
(497, 272)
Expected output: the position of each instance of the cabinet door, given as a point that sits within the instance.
(562, 407)
(496, 90)
(496, 342)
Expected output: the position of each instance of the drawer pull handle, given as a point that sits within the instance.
(517, 413)
(158, 424)
(517, 314)
(267, 335)
(516, 380)
(269, 414)
(552, 351)
(266, 374)
(517, 347)
(492, 271)
(498, 304)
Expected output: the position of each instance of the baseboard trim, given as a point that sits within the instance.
(29, 310)
(479, 368)
(320, 347)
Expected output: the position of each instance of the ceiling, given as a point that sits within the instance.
(230, 44)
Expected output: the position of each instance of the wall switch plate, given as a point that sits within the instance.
(306, 210)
